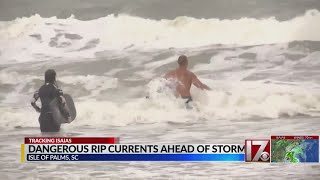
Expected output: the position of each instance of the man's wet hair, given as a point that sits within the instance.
(50, 76)
(182, 60)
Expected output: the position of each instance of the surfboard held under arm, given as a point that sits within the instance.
(63, 114)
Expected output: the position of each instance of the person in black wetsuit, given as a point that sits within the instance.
(47, 93)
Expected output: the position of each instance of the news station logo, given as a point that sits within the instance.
(257, 150)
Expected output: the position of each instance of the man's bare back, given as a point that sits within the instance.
(184, 78)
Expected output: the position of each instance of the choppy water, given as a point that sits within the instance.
(264, 74)
(158, 9)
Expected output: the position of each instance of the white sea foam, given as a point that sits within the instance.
(242, 100)
(92, 83)
(51, 36)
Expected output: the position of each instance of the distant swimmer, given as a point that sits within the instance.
(47, 93)
(184, 79)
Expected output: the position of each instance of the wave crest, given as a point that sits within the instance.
(36, 37)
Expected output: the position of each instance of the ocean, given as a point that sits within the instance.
(261, 58)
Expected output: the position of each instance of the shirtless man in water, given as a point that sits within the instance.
(185, 79)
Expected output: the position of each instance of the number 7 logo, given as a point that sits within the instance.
(257, 150)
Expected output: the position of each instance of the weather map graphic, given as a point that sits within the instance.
(295, 149)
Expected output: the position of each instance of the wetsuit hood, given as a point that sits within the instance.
(50, 76)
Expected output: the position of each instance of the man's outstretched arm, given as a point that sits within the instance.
(198, 83)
